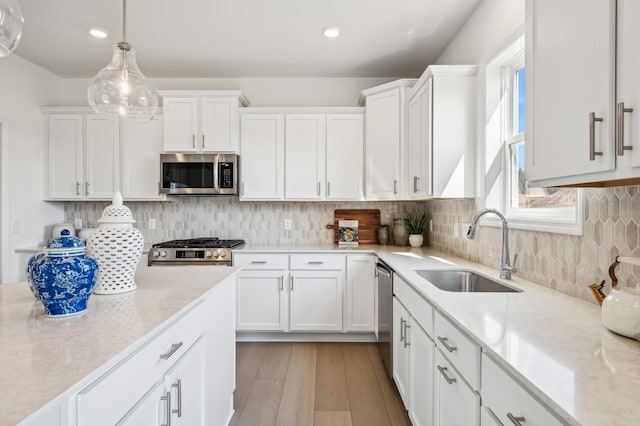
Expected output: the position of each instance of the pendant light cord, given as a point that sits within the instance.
(124, 20)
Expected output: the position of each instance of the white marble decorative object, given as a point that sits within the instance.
(117, 246)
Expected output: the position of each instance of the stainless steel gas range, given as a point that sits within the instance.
(195, 251)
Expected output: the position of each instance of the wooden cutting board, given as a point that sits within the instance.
(368, 224)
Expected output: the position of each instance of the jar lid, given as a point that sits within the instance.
(66, 241)
(116, 212)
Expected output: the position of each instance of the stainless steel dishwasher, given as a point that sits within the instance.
(385, 314)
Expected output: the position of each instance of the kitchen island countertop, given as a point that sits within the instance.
(42, 358)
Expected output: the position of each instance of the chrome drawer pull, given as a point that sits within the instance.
(517, 421)
(620, 146)
(178, 385)
(406, 341)
(592, 136)
(258, 262)
(402, 329)
(448, 347)
(281, 282)
(315, 263)
(174, 348)
(444, 374)
(193, 141)
(167, 412)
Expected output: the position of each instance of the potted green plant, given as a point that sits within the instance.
(415, 226)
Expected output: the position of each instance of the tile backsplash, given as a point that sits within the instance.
(226, 217)
(566, 263)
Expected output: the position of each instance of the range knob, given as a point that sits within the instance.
(163, 254)
(223, 254)
(216, 254)
(155, 253)
(207, 253)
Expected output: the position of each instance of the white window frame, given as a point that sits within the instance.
(559, 220)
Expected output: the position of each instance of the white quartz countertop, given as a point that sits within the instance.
(41, 358)
(553, 344)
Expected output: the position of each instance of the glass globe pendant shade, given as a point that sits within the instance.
(11, 22)
(120, 89)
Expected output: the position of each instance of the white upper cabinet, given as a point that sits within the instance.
(385, 145)
(305, 141)
(441, 133)
(345, 156)
(141, 145)
(262, 156)
(201, 121)
(65, 146)
(102, 160)
(574, 63)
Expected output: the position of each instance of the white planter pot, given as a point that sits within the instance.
(415, 240)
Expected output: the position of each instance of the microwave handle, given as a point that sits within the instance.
(216, 173)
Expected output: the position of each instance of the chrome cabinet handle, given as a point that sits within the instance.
(592, 136)
(281, 282)
(318, 188)
(203, 144)
(87, 187)
(443, 371)
(174, 348)
(517, 421)
(415, 183)
(77, 188)
(167, 411)
(315, 263)
(620, 146)
(328, 189)
(258, 262)
(242, 188)
(402, 329)
(395, 186)
(193, 141)
(444, 341)
(178, 385)
(291, 282)
(406, 340)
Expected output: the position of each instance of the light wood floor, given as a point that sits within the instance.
(314, 384)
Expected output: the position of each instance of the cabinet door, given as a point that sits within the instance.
(262, 301)
(570, 74)
(421, 349)
(151, 410)
(219, 124)
(180, 124)
(360, 293)
(316, 300)
(102, 159)
(344, 158)
(262, 157)
(66, 156)
(305, 142)
(401, 355)
(419, 142)
(185, 384)
(141, 144)
(627, 82)
(456, 404)
(382, 146)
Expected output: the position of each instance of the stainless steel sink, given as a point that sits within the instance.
(461, 281)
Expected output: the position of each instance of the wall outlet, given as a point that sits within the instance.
(77, 223)
(152, 224)
(465, 229)
(287, 224)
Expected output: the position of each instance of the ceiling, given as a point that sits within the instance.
(244, 38)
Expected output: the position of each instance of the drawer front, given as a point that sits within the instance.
(455, 402)
(463, 353)
(504, 396)
(261, 261)
(420, 309)
(319, 261)
(111, 396)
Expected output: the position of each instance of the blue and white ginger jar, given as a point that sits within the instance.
(63, 276)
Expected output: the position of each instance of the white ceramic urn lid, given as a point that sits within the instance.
(116, 212)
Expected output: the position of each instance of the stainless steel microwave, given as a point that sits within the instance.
(199, 174)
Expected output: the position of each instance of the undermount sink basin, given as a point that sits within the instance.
(461, 281)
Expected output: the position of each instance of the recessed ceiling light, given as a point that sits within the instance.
(331, 32)
(98, 33)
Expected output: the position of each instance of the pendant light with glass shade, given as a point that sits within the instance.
(11, 22)
(120, 90)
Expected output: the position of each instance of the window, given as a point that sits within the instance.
(542, 209)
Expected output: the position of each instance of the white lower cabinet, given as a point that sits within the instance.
(421, 352)
(456, 404)
(316, 300)
(401, 360)
(504, 401)
(360, 303)
(147, 412)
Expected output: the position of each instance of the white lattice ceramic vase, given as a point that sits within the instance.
(117, 246)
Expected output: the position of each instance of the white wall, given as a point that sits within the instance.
(261, 92)
(24, 88)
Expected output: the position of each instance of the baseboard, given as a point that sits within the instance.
(263, 336)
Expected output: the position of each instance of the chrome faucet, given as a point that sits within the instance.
(506, 268)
